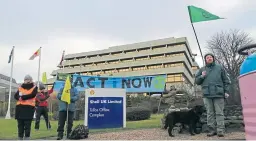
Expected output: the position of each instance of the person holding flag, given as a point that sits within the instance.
(67, 97)
(42, 106)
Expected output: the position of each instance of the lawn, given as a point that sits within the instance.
(9, 127)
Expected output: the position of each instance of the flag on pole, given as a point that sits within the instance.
(37, 53)
(44, 78)
(10, 56)
(199, 15)
(62, 58)
(66, 91)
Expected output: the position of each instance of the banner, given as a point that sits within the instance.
(131, 84)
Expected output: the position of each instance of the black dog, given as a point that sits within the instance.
(189, 118)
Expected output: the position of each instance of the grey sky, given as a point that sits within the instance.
(86, 25)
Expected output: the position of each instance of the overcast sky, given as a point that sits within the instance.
(87, 25)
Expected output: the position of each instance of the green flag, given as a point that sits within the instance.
(199, 15)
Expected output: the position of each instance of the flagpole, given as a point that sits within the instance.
(197, 42)
(39, 65)
(67, 121)
(8, 114)
(62, 61)
(46, 83)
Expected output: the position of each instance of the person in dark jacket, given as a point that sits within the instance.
(215, 87)
(25, 107)
(63, 112)
(42, 106)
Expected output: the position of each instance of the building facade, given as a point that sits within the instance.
(171, 56)
(5, 86)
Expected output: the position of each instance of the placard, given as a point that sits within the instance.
(105, 108)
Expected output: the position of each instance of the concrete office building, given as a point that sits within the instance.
(5, 86)
(171, 56)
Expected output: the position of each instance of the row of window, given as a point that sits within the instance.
(126, 52)
(175, 78)
(108, 72)
(128, 60)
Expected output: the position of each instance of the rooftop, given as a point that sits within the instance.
(132, 46)
(7, 78)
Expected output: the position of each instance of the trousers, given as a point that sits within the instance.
(215, 113)
(24, 126)
(42, 111)
(62, 120)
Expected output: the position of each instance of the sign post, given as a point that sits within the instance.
(105, 108)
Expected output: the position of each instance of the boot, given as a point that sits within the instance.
(20, 138)
(220, 134)
(60, 136)
(68, 134)
(212, 132)
(27, 138)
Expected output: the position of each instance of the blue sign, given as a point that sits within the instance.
(131, 84)
(105, 112)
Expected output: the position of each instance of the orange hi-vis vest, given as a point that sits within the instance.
(30, 102)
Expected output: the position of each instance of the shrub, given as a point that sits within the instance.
(137, 113)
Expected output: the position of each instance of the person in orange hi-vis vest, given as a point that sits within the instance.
(25, 107)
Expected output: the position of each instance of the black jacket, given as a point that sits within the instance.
(25, 111)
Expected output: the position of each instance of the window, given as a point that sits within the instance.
(116, 53)
(173, 65)
(96, 72)
(139, 68)
(176, 54)
(101, 63)
(155, 66)
(113, 62)
(110, 71)
(141, 58)
(143, 49)
(157, 56)
(124, 70)
(104, 55)
(178, 78)
(194, 68)
(157, 47)
(175, 78)
(88, 65)
(127, 60)
(130, 51)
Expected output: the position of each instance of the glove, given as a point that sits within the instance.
(226, 95)
(20, 94)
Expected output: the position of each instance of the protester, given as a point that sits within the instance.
(25, 107)
(42, 106)
(215, 87)
(63, 112)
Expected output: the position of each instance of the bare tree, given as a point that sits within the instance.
(187, 90)
(224, 46)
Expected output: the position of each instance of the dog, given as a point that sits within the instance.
(190, 118)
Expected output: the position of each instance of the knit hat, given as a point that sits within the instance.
(28, 77)
(210, 55)
(41, 85)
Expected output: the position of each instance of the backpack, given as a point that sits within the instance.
(79, 132)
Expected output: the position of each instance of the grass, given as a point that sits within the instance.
(9, 127)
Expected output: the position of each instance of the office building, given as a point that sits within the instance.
(5, 86)
(171, 56)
